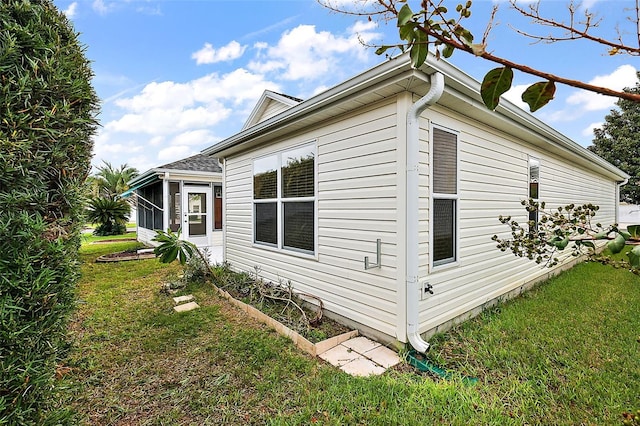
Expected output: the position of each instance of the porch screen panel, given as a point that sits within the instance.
(156, 198)
(175, 208)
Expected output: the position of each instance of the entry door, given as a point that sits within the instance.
(196, 208)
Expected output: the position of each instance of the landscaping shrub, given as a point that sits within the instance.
(47, 119)
(110, 215)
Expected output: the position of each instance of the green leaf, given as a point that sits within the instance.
(407, 32)
(495, 83)
(562, 244)
(404, 15)
(616, 245)
(380, 50)
(539, 94)
(634, 231)
(589, 244)
(634, 257)
(447, 51)
(601, 235)
(419, 50)
(625, 235)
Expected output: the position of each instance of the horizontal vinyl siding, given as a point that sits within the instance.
(273, 108)
(356, 178)
(493, 180)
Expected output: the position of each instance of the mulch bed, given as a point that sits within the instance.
(124, 256)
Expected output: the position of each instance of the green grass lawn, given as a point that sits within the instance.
(565, 353)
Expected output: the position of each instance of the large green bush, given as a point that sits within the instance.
(47, 118)
(110, 215)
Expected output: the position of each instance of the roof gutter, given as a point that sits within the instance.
(413, 218)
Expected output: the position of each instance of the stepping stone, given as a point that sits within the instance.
(361, 344)
(186, 307)
(339, 355)
(383, 356)
(362, 367)
(183, 299)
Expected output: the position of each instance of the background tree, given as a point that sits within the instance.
(618, 142)
(47, 119)
(442, 25)
(110, 181)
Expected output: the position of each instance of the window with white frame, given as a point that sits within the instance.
(284, 199)
(444, 196)
(534, 183)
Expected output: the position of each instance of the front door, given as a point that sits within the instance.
(196, 208)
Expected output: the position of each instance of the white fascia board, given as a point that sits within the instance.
(162, 175)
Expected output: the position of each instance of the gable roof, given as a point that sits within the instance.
(462, 94)
(199, 164)
(195, 163)
(270, 104)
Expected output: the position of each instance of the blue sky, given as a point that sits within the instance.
(175, 76)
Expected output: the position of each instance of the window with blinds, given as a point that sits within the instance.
(534, 182)
(284, 199)
(444, 196)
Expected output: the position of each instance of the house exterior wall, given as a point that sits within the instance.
(493, 179)
(361, 165)
(357, 185)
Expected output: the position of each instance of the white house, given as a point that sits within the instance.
(186, 195)
(409, 157)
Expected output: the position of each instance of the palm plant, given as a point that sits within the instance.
(110, 215)
(112, 181)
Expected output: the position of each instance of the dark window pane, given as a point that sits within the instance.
(533, 190)
(444, 219)
(298, 173)
(266, 225)
(445, 162)
(298, 225)
(265, 178)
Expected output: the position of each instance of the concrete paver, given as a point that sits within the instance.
(361, 356)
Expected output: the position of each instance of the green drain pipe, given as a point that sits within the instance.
(425, 366)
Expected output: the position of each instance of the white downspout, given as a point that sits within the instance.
(413, 219)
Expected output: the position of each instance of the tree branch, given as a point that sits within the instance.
(532, 71)
(574, 33)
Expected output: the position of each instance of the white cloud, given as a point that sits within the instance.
(588, 131)
(514, 95)
(70, 12)
(209, 55)
(173, 153)
(195, 137)
(304, 53)
(157, 141)
(624, 76)
(159, 121)
(179, 118)
(100, 7)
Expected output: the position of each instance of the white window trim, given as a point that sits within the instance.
(280, 247)
(445, 263)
